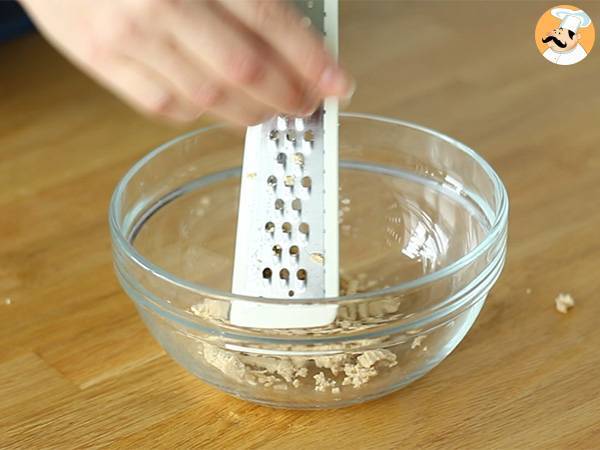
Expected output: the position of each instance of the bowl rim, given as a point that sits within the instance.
(496, 230)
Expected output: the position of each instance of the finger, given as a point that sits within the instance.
(240, 110)
(283, 29)
(144, 90)
(238, 58)
(189, 82)
(201, 88)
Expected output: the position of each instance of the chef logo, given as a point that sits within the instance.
(564, 35)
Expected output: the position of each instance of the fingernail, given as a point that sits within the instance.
(334, 81)
(309, 108)
(345, 99)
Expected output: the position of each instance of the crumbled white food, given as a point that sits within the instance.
(417, 341)
(227, 362)
(322, 382)
(360, 373)
(302, 372)
(267, 380)
(251, 175)
(564, 302)
(528, 291)
(299, 159)
(334, 363)
(329, 371)
(317, 257)
(356, 369)
(211, 309)
(285, 368)
(7, 301)
(359, 315)
(357, 375)
(371, 357)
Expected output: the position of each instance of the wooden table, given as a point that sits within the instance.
(78, 368)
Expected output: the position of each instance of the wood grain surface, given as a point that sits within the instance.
(77, 367)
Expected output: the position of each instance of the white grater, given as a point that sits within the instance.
(287, 232)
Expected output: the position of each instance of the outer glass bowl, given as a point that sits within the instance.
(423, 223)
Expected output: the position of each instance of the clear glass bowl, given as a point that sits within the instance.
(423, 223)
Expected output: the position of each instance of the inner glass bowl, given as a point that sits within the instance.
(394, 227)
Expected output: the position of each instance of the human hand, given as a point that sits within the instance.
(242, 60)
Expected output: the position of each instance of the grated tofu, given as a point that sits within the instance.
(564, 302)
(417, 341)
(299, 159)
(322, 382)
(329, 371)
(317, 257)
(357, 375)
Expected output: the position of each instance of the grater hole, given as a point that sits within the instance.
(291, 136)
(301, 274)
(307, 182)
(279, 204)
(286, 227)
(284, 274)
(274, 135)
(296, 204)
(289, 180)
(304, 228)
(291, 293)
(299, 159)
(267, 273)
(277, 250)
(270, 227)
(281, 158)
(309, 136)
(272, 181)
(294, 250)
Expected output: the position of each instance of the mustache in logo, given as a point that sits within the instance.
(555, 40)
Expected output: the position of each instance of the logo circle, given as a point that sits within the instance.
(565, 35)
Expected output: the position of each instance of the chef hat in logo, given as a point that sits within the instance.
(571, 20)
